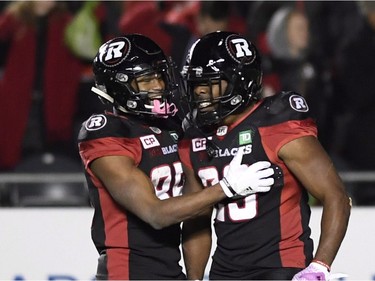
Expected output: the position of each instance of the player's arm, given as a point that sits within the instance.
(133, 190)
(309, 162)
(196, 233)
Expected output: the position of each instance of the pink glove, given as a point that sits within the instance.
(315, 271)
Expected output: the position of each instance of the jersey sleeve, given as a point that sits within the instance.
(93, 149)
(277, 136)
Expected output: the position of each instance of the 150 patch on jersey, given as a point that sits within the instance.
(298, 103)
(95, 122)
(149, 141)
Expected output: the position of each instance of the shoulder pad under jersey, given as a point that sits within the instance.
(101, 126)
(285, 106)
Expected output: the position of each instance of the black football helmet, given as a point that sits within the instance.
(221, 56)
(121, 61)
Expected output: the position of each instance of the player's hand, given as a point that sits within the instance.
(314, 271)
(244, 180)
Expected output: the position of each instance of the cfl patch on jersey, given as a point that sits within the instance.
(222, 131)
(298, 103)
(96, 122)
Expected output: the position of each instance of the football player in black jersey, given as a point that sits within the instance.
(132, 168)
(263, 236)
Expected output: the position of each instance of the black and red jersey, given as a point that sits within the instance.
(264, 230)
(134, 250)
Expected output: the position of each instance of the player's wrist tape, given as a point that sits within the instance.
(227, 188)
(322, 263)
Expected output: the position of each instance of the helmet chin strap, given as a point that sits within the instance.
(102, 94)
(107, 97)
(164, 109)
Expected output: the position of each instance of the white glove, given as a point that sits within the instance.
(314, 271)
(243, 180)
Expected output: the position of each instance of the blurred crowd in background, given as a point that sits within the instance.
(323, 50)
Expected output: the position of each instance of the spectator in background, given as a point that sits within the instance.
(212, 16)
(259, 14)
(290, 58)
(94, 23)
(148, 18)
(175, 25)
(203, 17)
(330, 24)
(355, 102)
(38, 86)
(287, 37)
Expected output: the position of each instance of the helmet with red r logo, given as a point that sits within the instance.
(119, 67)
